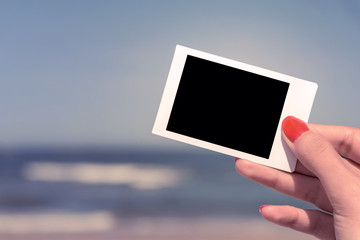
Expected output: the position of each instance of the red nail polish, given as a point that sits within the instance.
(294, 128)
(262, 206)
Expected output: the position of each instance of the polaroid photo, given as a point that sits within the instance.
(231, 107)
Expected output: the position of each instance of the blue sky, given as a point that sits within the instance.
(78, 73)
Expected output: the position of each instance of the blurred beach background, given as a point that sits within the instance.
(80, 84)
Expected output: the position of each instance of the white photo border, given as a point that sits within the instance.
(298, 102)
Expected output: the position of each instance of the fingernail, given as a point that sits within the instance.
(294, 128)
(236, 159)
(262, 206)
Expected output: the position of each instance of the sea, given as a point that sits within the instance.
(76, 185)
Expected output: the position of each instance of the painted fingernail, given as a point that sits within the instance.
(294, 128)
(262, 206)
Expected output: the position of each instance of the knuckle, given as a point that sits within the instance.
(275, 180)
(314, 146)
(345, 146)
(294, 219)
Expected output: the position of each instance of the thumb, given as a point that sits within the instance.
(315, 153)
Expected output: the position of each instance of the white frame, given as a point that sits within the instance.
(298, 103)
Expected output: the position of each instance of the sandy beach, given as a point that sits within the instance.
(177, 229)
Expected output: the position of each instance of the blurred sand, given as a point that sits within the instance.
(177, 229)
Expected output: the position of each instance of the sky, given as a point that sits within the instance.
(91, 73)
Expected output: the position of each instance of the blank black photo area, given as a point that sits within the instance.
(227, 106)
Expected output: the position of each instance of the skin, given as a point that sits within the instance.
(323, 177)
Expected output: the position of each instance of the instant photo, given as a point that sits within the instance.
(231, 107)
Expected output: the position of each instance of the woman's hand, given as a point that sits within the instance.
(327, 175)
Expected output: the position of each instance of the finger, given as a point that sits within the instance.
(314, 222)
(295, 185)
(319, 156)
(344, 139)
(300, 168)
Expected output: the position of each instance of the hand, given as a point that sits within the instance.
(323, 177)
